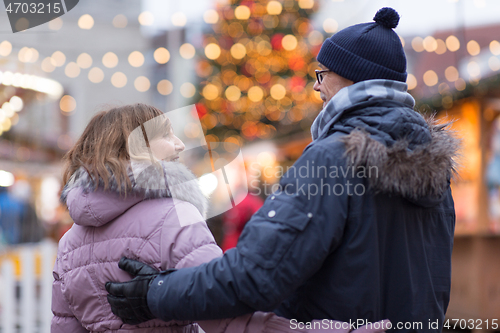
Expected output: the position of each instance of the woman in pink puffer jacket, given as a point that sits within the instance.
(129, 196)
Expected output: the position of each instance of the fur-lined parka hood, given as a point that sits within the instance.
(148, 181)
(415, 156)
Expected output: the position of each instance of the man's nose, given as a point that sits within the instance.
(316, 85)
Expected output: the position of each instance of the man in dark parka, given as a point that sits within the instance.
(362, 226)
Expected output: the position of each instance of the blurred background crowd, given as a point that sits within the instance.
(245, 69)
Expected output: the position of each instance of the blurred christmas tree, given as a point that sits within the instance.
(258, 70)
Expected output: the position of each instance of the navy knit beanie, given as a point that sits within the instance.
(367, 51)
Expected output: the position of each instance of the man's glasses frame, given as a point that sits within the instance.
(320, 74)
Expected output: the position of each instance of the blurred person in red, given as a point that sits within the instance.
(248, 202)
(234, 220)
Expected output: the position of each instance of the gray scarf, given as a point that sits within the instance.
(359, 92)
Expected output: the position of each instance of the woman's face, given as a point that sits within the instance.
(167, 147)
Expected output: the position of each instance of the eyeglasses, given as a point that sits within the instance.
(320, 74)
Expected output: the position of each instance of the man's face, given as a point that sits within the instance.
(331, 85)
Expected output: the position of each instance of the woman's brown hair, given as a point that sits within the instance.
(103, 149)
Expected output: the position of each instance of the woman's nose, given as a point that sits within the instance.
(179, 145)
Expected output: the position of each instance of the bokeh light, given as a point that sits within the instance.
(27, 54)
(146, 19)
(495, 47)
(306, 4)
(16, 103)
(212, 51)
(315, 37)
(22, 24)
(164, 87)
(274, 7)
(96, 75)
(494, 63)
(430, 78)
(238, 51)
(473, 68)
(452, 43)
(187, 51)
(56, 24)
(210, 92)
(188, 89)
(211, 16)
(6, 125)
(473, 48)
(120, 21)
(67, 103)
(7, 110)
(278, 91)
(255, 94)
(242, 12)
(110, 60)
(441, 46)
(58, 59)
(289, 42)
(161, 55)
(86, 22)
(84, 60)
(417, 44)
(5, 48)
(460, 84)
(451, 74)
(119, 80)
(72, 70)
(411, 81)
(142, 84)
(233, 93)
(47, 65)
(136, 59)
(430, 44)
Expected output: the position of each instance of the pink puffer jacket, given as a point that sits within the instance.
(163, 227)
(143, 226)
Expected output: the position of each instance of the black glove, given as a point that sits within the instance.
(128, 300)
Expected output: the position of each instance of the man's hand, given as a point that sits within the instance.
(128, 300)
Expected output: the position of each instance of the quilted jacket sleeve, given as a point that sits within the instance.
(63, 321)
(186, 240)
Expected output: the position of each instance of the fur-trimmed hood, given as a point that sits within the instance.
(164, 180)
(418, 171)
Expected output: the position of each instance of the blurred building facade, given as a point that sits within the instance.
(96, 55)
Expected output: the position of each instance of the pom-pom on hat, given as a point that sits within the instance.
(367, 51)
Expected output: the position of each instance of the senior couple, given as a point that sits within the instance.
(329, 262)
